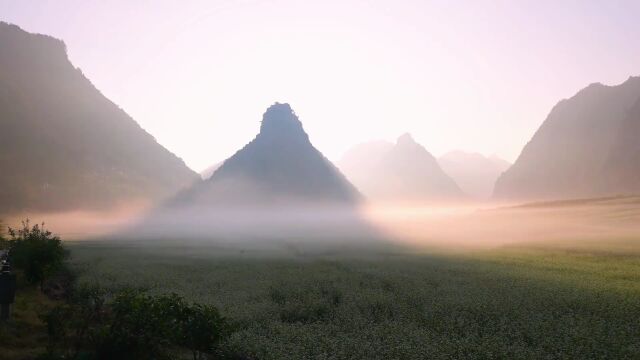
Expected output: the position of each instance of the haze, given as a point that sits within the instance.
(471, 75)
(319, 180)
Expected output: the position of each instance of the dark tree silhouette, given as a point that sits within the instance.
(36, 251)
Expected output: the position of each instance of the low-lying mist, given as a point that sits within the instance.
(246, 224)
(610, 224)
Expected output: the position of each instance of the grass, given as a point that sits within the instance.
(24, 336)
(512, 303)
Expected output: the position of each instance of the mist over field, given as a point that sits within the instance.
(596, 224)
(554, 224)
(266, 180)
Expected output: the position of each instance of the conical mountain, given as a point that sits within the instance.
(279, 166)
(571, 153)
(63, 145)
(404, 171)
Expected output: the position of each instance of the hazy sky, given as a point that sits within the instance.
(471, 75)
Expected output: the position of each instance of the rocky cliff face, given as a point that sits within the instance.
(63, 145)
(279, 166)
(569, 155)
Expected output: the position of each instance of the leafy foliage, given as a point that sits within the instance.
(200, 328)
(4, 243)
(132, 325)
(36, 251)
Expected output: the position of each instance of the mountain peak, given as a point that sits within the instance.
(281, 120)
(22, 49)
(86, 153)
(550, 167)
(405, 139)
(279, 166)
(404, 172)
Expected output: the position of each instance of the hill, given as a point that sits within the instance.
(475, 173)
(280, 165)
(64, 145)
(574, 151)
(404, 171)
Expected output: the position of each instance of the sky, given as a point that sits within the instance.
(472, 75)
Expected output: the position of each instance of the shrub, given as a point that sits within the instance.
(4, 243)
(200, 329)
(133, 325)
(36, 251)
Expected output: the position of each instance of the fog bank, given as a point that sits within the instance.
(609, 223)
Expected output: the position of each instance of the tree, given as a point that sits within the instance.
(36, 251)
(133, 325)
(139, 328)
(201, 329)
(156, 324)
(4, 244)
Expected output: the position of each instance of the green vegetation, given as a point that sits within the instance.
(132, 325)
(514, 303)
(36, 251)
(4, 244)
(25, 336)
(66, 321)
(162, 300)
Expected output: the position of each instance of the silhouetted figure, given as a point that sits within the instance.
(7, 290)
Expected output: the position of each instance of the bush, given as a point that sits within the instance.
(200, 328)
(133, 325)
(36, 251)
(4, 243)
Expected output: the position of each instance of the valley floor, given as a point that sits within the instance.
(512, 302)
(543, 281)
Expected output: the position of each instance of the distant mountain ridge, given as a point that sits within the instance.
(404, 171)
(475, 173)
(280, 165)
(586, 147)
(65, 146)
